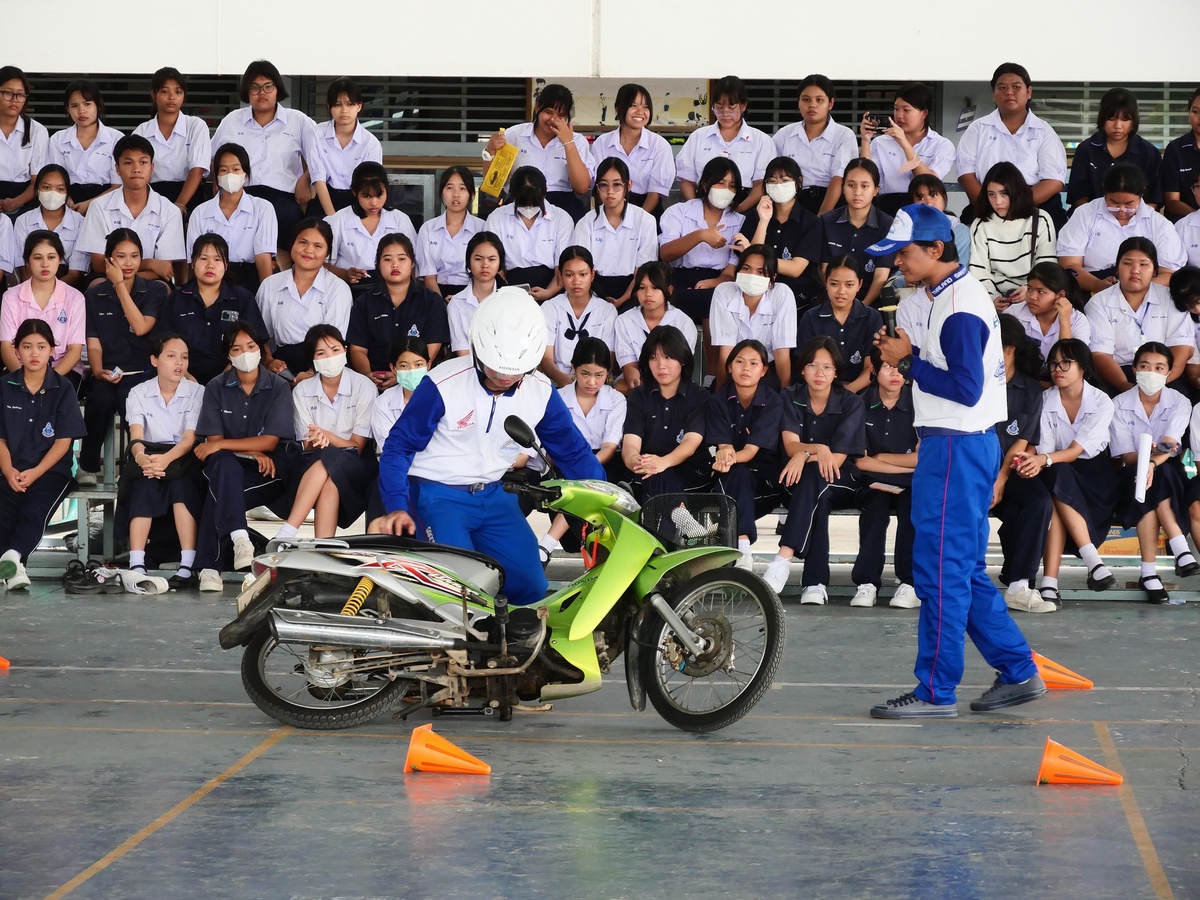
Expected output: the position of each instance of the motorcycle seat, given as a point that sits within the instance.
(477, 568)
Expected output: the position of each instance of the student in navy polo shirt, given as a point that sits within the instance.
(1116, 141)
(857, 225)
(399, 305)
(39, 419)
(845, 319)
(744, 422)
(1180, 163)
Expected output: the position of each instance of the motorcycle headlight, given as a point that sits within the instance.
(623, 502)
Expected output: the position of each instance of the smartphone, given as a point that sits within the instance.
(878, 121)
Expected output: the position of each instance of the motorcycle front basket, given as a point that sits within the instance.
(682, 521)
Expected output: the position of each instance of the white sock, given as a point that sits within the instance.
(1019, 585)
(1091, 557)
(1149, 568)
(781, 560)
(549, 544)
(187, 558)
(1150, 578)
(286, 530)
(1178, 545)
(1048, 582)
(236, 536)
(137, 558)
(744, 545)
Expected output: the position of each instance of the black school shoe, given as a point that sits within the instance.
(1157, 595)
(1001, 695)
(1187, 570)
(183, 582)
(1101, 584)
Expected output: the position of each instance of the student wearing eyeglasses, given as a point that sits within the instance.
(23, 141)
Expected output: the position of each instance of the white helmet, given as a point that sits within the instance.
(508, 332)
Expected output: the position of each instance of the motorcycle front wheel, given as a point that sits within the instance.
(741, 620)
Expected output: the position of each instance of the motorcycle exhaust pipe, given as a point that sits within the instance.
(335, 630)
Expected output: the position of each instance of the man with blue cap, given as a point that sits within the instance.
(958, 394)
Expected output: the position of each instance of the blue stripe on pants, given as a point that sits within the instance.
(952, 489)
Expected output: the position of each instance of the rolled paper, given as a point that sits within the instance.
(1145, 446)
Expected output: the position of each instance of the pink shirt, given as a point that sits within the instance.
(65, 313)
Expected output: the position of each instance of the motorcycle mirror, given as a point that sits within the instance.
(518, 429)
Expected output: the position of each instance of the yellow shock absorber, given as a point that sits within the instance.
(358, 597)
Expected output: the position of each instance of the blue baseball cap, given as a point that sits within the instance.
(915, 222)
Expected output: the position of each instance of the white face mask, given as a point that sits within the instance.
(330, 366)
(246, 362)
(231, 182)
(753, 285)
(52, 200)
(720, 197)
(1151, 382)
(530, 212)
(782, 192)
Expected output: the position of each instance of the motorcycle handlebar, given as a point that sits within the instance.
(533, 491)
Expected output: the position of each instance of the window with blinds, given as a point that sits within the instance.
(773, 103)
(1071, 109)
(127, 99)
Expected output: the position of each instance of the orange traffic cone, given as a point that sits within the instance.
(3, 663)
(1058, 677)
(429, 752)
(1061, 765)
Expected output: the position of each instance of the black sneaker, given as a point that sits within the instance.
(1001, 695)
(910, 706)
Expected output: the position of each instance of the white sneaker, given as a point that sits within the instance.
(1026, 599)
(905, 598)
(864, 596)
(243, 553)
(85, 479)
(745, 562)
(815, 594)
(210, 580)
(19, 581)
(777, 574)
(262, 514)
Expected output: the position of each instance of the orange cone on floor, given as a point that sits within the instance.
(1061, 765)
(3, 663)
(1060, 678)
(429, 752)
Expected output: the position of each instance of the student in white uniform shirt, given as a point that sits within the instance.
(182, 148)
(573, 315)
(819, 145)
(1089, 243)
(904, 146)
(648, 155)
(85, 148)
(343, 144)
(620, 235)
(1133, 311)
(730, 137)
(534, 232)
(485, 262)
(24, 142)
(8, 249)
(410, 364)
(1188, 228)
(305, 295)
(1185, 294)
(1048, 315)
(653, 290)
(358, 229)
(52, 214)
(1012, 132)
(550, 145)
(441, 245)
(1153, 408)
(755, 306)
(1009, 235)
(158, 222)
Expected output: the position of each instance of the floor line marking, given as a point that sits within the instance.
(1133, 815)
(170, 815)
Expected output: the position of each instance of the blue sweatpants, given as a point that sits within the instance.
(951, 492)
(488, 522)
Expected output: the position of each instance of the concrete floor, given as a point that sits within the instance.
(132, 765)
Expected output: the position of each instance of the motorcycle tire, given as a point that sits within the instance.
(743, 619)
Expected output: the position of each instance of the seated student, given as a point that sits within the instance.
(886, 489)
(824, 432)
(442, 241)
(743, 423)
(359, 227)
(333, 424)
(858, 225)
(534, 233)
(1070, 459)
(574, 314)
(1116, 142)
(44, 296)
(343, 144)
(755, 306)
(1048, 313)
(845, 320)
(162, 414)
(1021, 503)
(245, 223)
(820, 146)
(38, 423)
(246, 423)
(25, 145)
(647, 155)
(796, 235)
(1188, 227)
(1180, 163)
(1153, 408)
(86, 148)
(663, 443)
(550, 145)
(182, 149)
(121, 312)
(134, 205)
(485, 262)
(729, 137)
(652, 290)
(1185, 294)
(397, 305)
(8, 248)
(931, 191)
(619, 234)
(905, 146)
(409, 366)
(598, 411)
(1134, 310)
(281, 141)
(1009, 235)
(307, 294)
(51, 213)
(1089, 243)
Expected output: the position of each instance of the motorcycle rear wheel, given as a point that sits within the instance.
(742, 619)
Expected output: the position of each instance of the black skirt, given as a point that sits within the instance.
(534, 276)
(81, 193)
(1168, 484)
(351, 473)
(150, 498)
(1090, 487)
(287, 212)
(695, 302)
